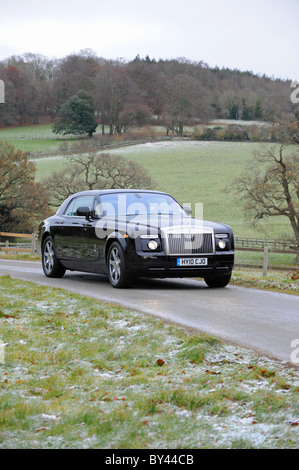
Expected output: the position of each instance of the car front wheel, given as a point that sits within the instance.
(51, 265)
(218, 281)
(117, 267)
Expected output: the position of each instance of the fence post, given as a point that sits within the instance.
(265, 265)
(33, 244)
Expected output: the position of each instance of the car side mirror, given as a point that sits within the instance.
(83, 211)
(188, 210)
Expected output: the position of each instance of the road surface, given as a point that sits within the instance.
(266, 322)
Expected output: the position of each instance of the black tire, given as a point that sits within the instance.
(218, 281)
(117, 267)
(51, 265)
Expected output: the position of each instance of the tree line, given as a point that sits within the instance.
(172, 93)
(117, 95)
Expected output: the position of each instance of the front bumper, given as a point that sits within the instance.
(162, 266)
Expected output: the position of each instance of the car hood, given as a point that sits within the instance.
(153, 224)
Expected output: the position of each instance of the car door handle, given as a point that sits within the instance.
(59, 225)
(87, 225)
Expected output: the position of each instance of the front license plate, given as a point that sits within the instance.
(191, 262)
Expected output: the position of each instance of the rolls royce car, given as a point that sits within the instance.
(129, 234)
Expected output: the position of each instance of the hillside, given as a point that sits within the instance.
(173, 93)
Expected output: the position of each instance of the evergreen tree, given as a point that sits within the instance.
(77, 115)
(258, 109)
(246, 111)
(233, 110)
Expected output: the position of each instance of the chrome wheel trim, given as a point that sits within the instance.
(114, 265)
(48, 257)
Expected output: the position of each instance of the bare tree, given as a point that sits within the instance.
(23, 202)
(96, 171)
(117, 100)
(270, 185)
(185, 100)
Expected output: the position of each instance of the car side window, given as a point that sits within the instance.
(86, 201)
(107, 205)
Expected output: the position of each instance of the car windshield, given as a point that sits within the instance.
(139, 203)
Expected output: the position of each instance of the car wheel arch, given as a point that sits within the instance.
(115, 236)
(45, 235)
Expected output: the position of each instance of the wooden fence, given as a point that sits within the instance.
(265, 246)
(257, 244)
(242, 244)
(18, 247)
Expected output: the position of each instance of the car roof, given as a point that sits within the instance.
(99, 192)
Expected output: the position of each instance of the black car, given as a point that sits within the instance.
(127, 234)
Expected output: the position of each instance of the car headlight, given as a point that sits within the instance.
(222, 241)
(222, 244)
(152, 244)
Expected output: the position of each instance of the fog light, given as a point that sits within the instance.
(153, 245)
(222, 244)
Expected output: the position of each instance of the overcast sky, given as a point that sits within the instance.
(256, 35)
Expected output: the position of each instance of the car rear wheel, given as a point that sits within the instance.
(218, 281)
(51, 265)
(117, 267)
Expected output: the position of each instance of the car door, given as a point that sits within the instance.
(73, 243)
(109, 219)
(97, 241)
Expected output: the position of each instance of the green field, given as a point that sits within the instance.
(78, 373)
(32, 139)
(195, 172)
(192, 171)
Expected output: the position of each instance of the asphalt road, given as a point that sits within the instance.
(266, 322)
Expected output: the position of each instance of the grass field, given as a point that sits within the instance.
(192, 171)
(195, 172)
(34, 138)
(78, 373)
(200, 172)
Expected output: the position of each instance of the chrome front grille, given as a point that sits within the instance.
(188, 242)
